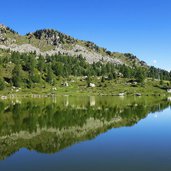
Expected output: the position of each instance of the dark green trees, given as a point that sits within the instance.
(30, 70)
(16, 76)
(41, 64)
(140, 75)
(50, 76)
(2, 84)
(157, 73)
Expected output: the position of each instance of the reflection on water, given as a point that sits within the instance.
(169, 98)
(51, 134)
(92, 101)
(50, 125)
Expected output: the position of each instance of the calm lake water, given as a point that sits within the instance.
(85, 134)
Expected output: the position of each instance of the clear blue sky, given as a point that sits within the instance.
(142, 27)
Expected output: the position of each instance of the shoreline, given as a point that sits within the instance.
(80, 94)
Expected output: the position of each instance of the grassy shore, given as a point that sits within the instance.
(79, 86)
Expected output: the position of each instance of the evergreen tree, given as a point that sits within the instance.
(140, 75)
(110, 77)
(16, 76)
(41, 64)
(50, 77)
(103, 79)
(2, 84)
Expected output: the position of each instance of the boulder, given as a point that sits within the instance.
(121, 94)
(92, 85)
(138, 94)
(169, 90)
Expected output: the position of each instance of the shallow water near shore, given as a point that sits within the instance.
(85, 133)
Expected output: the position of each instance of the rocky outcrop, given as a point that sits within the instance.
(50, 42)
(77, 50)
(4, 38)
(52, 37)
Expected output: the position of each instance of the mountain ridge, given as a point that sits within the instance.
(50, 42)
(46, 58)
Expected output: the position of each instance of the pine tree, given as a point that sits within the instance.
(140, 75)
(50, 76)
(16, 76)
(41, 64)
(2, 84)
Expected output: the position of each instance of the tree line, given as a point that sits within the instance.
(28, 69)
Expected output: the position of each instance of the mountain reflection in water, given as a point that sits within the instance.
(50, 125)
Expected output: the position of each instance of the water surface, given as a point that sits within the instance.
(85, 133)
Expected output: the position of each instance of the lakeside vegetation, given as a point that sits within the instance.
(62, 74)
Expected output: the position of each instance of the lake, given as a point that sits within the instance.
(85, 134)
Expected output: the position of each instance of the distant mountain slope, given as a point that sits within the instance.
(50, 42)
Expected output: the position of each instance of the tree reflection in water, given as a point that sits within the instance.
(49, 125)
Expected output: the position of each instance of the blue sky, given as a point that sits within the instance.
(141, 27)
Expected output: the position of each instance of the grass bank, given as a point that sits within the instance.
(79, 86)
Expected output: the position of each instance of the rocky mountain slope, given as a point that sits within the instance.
(49, 42)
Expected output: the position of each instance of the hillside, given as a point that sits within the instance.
(48, 61)
(50, 42)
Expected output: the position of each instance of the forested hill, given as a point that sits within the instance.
(45, 56)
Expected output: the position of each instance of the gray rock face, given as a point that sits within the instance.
(25, 48)
(2, 32)
(4, 39)
(60, 43)
(77, 50)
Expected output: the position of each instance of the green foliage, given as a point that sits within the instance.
(88, 81)
(35, 78)
(140, 75)
(103, 79)
(41, 64)
(157, 73)
(27, 69)
(110, 77)
(161, 82)
(2, 84)
(16, 76)
(50, 77)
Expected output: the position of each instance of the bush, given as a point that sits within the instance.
(2, 84)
